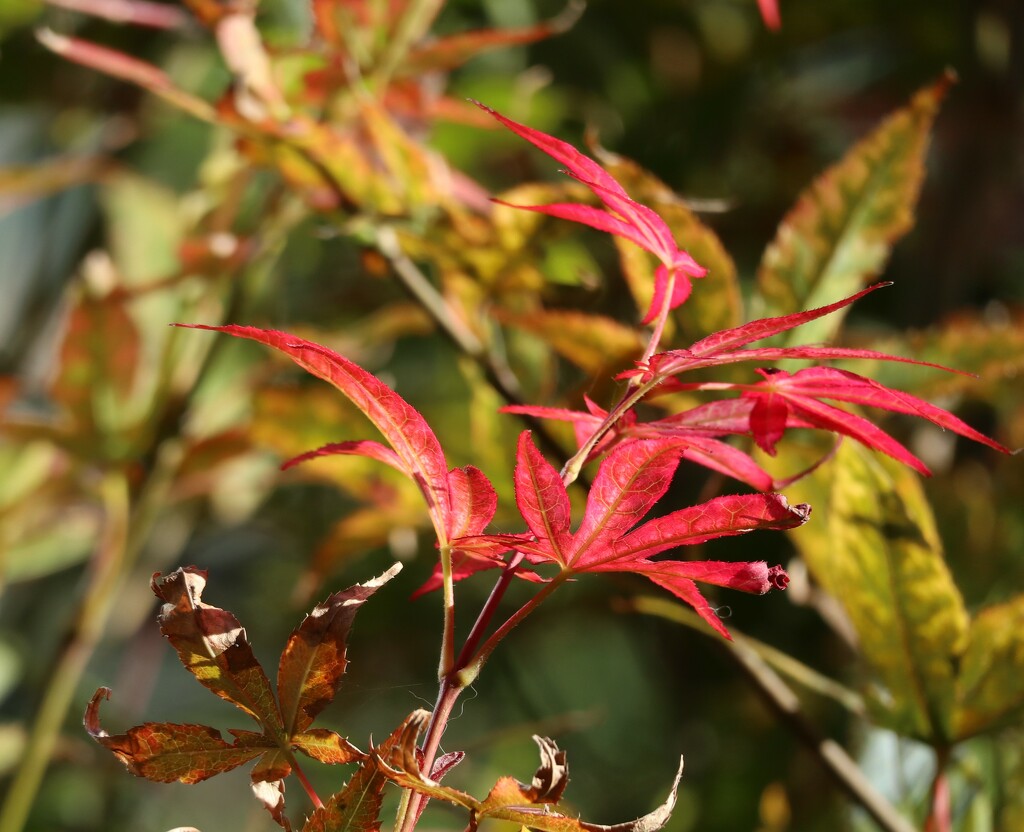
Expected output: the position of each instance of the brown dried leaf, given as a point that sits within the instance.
(168, 752)
(552, 776)
(270, 793)
(313, 661)
(356, 808)
(212, 645)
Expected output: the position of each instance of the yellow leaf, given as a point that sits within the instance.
(596, 344)
(876, 550)
(990, 687)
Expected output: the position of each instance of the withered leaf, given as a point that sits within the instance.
(212, 645)
(356, 808)
(168, 752)
(271, 794)
(314, 661)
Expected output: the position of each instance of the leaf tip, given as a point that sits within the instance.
(53, 41)
(778, 578)
(91, 720)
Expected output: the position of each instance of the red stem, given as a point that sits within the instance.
(488, 610)
(659, 323)
(306, 785)
(940, 813)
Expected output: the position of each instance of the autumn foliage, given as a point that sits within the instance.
(784, 424)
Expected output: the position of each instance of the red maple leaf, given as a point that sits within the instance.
(621, 216)
(766, 408)
(770, 14)
(461, 501)
(629, 482)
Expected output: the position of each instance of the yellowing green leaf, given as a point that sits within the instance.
(22, 185)
(991, 349)
(839, 234)
(876, 550)
(596, 344)
(990, 687)
(407, 162)
(145, 229)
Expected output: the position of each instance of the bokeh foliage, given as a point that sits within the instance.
(120, 214)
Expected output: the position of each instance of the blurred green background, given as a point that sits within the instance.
(720, 109)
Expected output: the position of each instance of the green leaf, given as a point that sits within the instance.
(715, 303)
(990, 687)
(145, 227)
(45, 536)
(212, 645)
(839, 234)
(873, 545)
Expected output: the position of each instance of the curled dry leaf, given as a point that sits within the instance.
(168, 752)
(270, 793)
(552, 776)
(213, 646)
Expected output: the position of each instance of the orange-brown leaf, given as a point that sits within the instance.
(326, 746)
(167, 752)
(213, 646)
(314, 659)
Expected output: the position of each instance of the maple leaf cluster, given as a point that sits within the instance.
(619, 530)
(640, 458)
